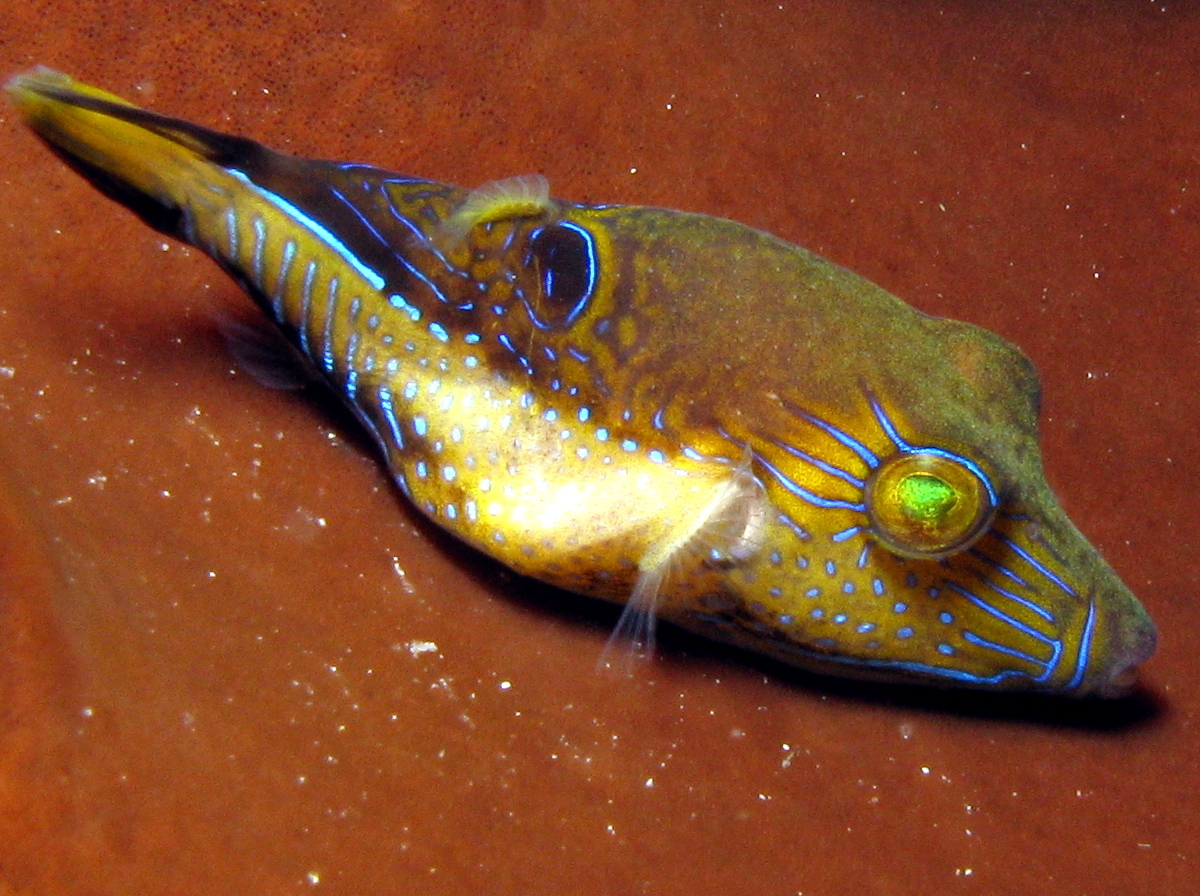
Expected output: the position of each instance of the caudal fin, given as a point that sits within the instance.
(148, 162)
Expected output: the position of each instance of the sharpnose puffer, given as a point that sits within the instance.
(662, 409)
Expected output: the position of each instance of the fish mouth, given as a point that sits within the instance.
(1138, 646)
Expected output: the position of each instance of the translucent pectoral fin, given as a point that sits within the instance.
(632, 640)
(727, 531)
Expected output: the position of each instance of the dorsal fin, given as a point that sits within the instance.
(524, 196)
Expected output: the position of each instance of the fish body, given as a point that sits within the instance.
(662, 409)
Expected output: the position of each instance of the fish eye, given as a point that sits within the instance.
(565, 260)
(928, 504)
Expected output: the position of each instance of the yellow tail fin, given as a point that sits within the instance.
(146, 161)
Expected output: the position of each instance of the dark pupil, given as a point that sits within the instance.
(565, 263)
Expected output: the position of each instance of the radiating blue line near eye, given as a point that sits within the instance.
(366, 222)
(1085, 648)
(314, 227)
(885, 422)
(1035, 563)
(972, 638)
(902, 444)
(846, 534)
(999, 567)
(1052, 663)
(814, 499)
(821, 465)
(865, 454)
(1001, 615)
(1016, 598)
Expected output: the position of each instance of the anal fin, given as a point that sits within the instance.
(265, 354)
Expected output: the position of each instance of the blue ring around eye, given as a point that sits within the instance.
(907, 448)
(969, 464)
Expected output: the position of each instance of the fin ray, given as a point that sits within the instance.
(523, 196)
(728, 531)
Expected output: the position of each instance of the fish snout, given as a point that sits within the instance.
(1133, 640)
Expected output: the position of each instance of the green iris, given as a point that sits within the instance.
(926, 499)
